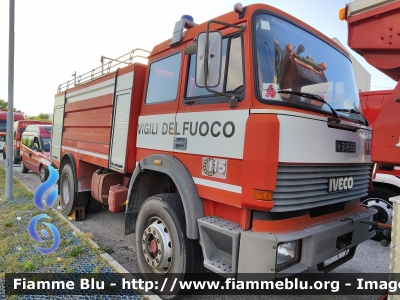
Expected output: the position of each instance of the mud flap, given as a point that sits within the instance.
(130, 222)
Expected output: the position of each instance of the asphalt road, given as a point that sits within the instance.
(108, 231)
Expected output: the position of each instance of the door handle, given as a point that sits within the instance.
(180, 143)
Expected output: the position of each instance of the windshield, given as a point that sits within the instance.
(291, 59)
(46, 144)
(48, 128)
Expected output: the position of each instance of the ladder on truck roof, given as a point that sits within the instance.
(105, 68)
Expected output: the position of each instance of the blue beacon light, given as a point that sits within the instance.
(188, 17)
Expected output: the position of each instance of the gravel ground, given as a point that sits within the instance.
(108, 230)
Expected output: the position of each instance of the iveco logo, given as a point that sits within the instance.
(340, 184)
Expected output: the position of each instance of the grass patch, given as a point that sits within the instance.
(89, 235)
(76, 251)
(17, 248)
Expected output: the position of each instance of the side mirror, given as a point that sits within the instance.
(212, 60)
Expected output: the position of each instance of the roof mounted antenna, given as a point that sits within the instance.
(187, 22)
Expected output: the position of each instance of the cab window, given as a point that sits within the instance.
(231, 70)
(163, 79)
(36, 142)
(45, 144)
(27, 141)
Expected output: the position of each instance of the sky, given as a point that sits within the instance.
(55, 38)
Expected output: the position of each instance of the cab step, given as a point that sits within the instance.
(220, 241)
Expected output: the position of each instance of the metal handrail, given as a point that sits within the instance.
(105, 68)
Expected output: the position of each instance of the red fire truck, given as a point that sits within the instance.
(381, 48)
(3, 125)
(237, 137)
(387, 179)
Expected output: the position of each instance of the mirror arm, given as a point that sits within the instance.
(233, 102)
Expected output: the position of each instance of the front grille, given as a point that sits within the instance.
(306, 186)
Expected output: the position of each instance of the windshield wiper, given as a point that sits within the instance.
(353, 111)
(312, 97)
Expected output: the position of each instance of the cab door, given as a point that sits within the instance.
(157, 118)
(26, 151)
(36, 153)
(209, 138)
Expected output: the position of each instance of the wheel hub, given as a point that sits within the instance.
(157, 246)
(385, 210)
(65, 190)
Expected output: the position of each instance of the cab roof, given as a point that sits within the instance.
(233, 18)
(41, 129)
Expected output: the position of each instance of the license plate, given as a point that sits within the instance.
(345, 146)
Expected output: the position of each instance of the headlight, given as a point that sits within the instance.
(287, 254)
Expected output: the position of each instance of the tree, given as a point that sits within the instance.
(44, 116)
(40, 117)
(4, 105)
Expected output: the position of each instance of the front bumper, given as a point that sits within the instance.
(257, 252)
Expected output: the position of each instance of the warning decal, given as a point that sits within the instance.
(270, 91)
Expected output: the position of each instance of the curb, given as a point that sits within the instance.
(111, 261)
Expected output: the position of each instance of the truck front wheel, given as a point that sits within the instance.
(70, 198)
(162, 246)
(22, 167)
(44, 173)
(378, 198)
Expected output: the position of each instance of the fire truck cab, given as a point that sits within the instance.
(236, 143)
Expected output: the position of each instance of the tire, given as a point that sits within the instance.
(4, 154)
(22, 167)
(93, 206)
(161, 240)
(15, 160)
(68, 197)
(44, 173)
(379, 198)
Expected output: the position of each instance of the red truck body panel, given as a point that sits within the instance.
(381, 48)
(88, 120)
(372, 105)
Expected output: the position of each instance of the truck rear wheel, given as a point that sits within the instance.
(378, 198)
(70, 198)
(162, 245)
